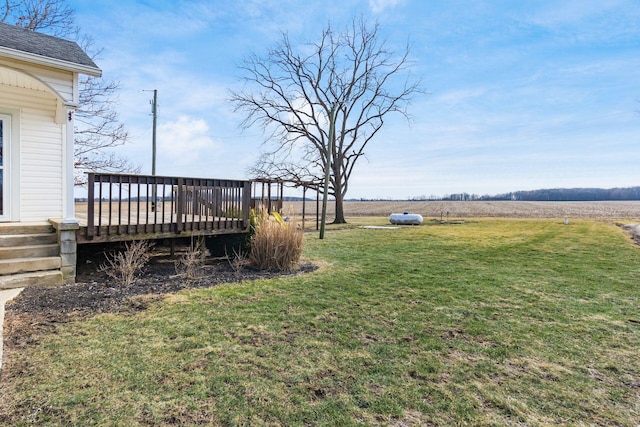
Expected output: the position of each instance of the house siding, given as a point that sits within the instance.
(38, 97)
(40, 152)
(60, 81)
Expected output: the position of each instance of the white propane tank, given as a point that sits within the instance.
(405, 218)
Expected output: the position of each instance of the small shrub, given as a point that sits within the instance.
(123, 266)
(276, 244)
(191, 263)
(238, 260)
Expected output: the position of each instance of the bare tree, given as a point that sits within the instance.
(348, 78)
(53, 16)
(98, 128)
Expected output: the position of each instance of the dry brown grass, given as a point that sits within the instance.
(275, 245)
(482, 209)
(476, 209)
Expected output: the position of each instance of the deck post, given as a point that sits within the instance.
(246, 205)
(180, 205)
(67, 236)
(304, 204)
(68, 250)
(91, 207)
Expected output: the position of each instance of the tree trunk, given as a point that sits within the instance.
(339, 203)
(339, 211)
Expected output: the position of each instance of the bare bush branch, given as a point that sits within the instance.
(191, 263)
(238, 261)
(123, 266)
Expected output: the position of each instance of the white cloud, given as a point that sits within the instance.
(185, 142)
(578, 21)
(378, 6)
(573, 11)
(456, 97)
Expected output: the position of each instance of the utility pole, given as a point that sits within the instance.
(154, 113)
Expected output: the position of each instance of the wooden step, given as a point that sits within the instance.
(40, 278)
(12, 240)
(26, 228)
(27, 265)
(29, 255)
(30, 251)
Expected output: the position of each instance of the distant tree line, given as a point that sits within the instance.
(549, 194)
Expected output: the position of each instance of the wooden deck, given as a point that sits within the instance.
(130, 207)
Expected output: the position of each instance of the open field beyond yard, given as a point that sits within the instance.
(480, 209)
(490, 322)
(477, 209)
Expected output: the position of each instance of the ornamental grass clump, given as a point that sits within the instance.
(276, 244)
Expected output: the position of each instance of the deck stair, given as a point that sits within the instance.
(29, 255)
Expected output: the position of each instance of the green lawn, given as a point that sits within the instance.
(490, 322)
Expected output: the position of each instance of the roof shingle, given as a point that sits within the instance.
(17, 38)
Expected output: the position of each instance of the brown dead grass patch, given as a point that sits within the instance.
(608, 210)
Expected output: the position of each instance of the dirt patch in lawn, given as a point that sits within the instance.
(633, 230)
(38, 309)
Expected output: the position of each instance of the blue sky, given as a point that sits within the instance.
(521, 94)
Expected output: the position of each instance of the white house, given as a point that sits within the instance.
(38, 99)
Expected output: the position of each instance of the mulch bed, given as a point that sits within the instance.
(39, 308)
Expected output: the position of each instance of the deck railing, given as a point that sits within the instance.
(120, 204)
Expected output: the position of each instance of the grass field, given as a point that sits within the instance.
(496, 322)
(607, 210)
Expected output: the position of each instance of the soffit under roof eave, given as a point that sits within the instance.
(50, 62)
